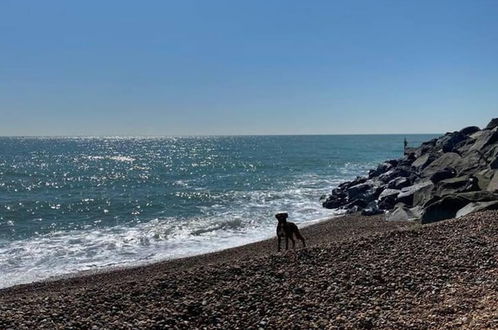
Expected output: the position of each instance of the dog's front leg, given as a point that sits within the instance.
(286, 242)
(279, 239)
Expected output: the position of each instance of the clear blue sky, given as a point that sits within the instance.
(246, 67)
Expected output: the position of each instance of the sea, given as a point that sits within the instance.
(76, 204)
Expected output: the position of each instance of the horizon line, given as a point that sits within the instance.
(205, 135)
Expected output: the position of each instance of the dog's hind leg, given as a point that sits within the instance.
(278, 246)
(286, 242)
(293, 242)
(301, 238)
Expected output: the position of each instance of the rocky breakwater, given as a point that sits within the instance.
(443, 178)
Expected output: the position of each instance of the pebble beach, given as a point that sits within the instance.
(357, 272)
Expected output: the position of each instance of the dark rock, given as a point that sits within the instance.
(389, 193)
(469, 130)
(476, 207)
(492, 124)
(448, 206)
(369, 211)
(398, 183)
(359, 203)
(484, 139)
(449, 159)
(494, 163)
(333, 203)
(345, 185)
(394, 173)
(403, 213)
(354, 209)
(387, 199)
(429, 144)
(339, 194)
(492, 157)
(464, 146)
(359, 189)
(458, 184)
(479, 196)
(471, 162)
(337, 198)
(381, 168)
(393, 162)
(445, 173)
(472, 185)
(493, 184)
(416, 194)
(406, 162)
(450, 143)
(372, 209)
(424, 160)
(358, 180)
(484, 178)
(445, 208)
(387, 203)
(432, 200)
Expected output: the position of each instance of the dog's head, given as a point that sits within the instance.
(281, 217)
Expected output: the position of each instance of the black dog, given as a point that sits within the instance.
(287, 230)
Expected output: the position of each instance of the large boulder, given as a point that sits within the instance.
(493, 184)
(423, 161)
(443, 174)
(403, 213)
(333, 203)
(381, 168)
(464, 147)
(455, 185)
(372, 209)
(494, 163)
(388, 193)
(476, 207)
(357, 190)
(492, 157)
(397, 172)
(492, 124)
(484, 139)
(398, 183)
(387, 203)
(393, 162)
(445, 208)
(469, 130)
(387, 199)
(448, 206)
(449, 159)
(450, 143)
(416, 194)
(337, 199)
(472, 162)
(356, 204)
(479, 196)
(484, 178)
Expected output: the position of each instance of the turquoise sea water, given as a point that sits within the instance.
(75, 204)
